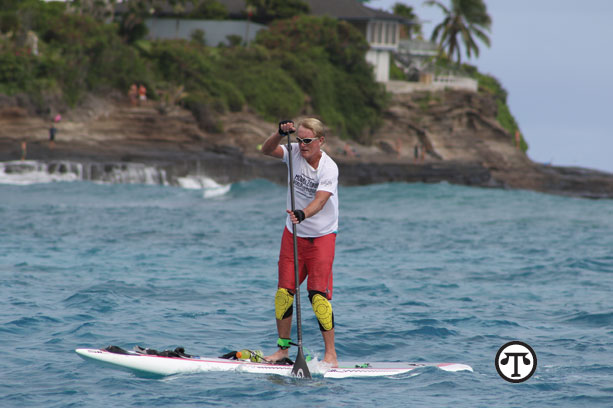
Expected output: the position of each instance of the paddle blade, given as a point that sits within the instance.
(300, 368)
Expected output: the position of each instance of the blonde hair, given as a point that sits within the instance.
(314, 125)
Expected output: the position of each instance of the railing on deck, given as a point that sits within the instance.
(432, 82)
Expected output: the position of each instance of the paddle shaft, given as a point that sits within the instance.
(296, 275)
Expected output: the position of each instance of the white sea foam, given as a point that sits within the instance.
(33, 172)
(135, 173)
(209, 186)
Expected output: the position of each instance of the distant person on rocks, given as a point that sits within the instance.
(52, 133)
(349, 151)
(24, 149)
(517, 139)
(142, 94)
(133, 94)
(316, 220)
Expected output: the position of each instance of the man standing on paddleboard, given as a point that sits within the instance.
(316, 220)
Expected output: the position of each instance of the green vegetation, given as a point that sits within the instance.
(73, 55)
(209, 10)
(266, 11)
(317, 64)
(396, 73)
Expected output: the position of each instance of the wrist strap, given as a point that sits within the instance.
(284, 344)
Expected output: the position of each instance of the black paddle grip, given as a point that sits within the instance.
(283, 122)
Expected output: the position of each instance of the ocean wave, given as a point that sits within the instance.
(32, 172)
(36, 172)
(210, 188)
(427, 331)
(592, 319)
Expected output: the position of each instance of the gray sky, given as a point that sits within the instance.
(554, 57)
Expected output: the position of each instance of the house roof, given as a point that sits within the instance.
(348, 10)
(341, 9)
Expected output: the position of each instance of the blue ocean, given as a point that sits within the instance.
(423, 273)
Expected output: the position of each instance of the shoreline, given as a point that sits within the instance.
(226, 165)
(462, 141)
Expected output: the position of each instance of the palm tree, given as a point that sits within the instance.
(465, 19)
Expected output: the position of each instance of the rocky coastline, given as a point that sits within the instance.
(454, 133)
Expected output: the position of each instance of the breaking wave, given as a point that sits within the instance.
(36, 172)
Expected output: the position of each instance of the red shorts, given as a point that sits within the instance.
(315, 258)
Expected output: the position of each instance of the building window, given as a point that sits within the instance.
(391, 28)
(382, 33)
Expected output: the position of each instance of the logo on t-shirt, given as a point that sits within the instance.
(305, 185)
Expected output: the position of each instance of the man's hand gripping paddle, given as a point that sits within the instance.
(300, 368)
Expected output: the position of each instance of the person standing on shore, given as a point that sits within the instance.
(316, 220)
(142, 94)
(52, 132)
(133, 94)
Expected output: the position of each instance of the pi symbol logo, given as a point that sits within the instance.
(515, 362)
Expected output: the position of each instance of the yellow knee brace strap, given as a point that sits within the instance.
(283, 303)
(323, 312)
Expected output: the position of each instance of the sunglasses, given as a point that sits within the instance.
(306, 140)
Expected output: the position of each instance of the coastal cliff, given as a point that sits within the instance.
(426, 137)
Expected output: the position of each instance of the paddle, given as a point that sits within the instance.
(300, 368)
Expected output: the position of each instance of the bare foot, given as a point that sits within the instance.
(278, 355)
(331, 360)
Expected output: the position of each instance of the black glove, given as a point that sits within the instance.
(281, 132)
(299, 214)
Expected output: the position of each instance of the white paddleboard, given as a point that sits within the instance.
(163, 366)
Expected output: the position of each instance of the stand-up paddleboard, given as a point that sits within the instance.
(163, 366)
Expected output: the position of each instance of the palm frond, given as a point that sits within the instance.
(481, 35)
(444, 9)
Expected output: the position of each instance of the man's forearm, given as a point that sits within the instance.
(271, 144)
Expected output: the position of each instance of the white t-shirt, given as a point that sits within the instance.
(307, 181)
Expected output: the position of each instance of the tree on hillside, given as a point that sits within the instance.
(465, 20)
(101, 10)
(269, 10)
(407, 12)
(209, 10)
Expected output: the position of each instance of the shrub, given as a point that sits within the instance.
(491, 85)
(326, 58)
(209, 10)
(267, 88)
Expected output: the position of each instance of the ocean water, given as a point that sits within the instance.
(425, 273)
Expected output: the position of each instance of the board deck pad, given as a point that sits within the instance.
(164, 366)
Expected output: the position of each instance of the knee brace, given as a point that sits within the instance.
(284, 300)
(322, 309)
